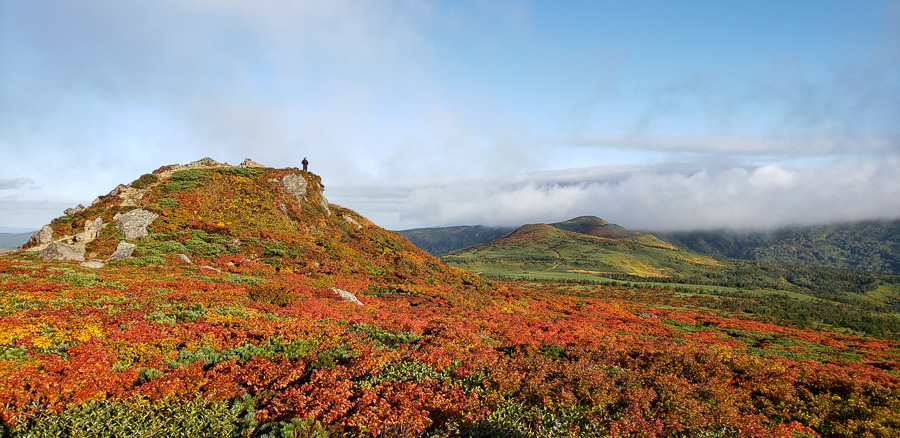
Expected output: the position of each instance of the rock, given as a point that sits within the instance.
(119, 189)
(206, 162)
(293, 184)
(185, 258)
(250, 163)
(352, 221)
(210, 268)
(347, 296)
(134, 223)
(93, 264)
(71, 211)
(62, 251)
(123, 251)
(234, 241)
(42, 236)
(91, 231)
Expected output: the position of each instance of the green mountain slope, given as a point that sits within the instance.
(546, 251)
(862, 301)
(443, 240)
(868, 245)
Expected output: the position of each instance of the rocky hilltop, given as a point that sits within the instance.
(219, 216)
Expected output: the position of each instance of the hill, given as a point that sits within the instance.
(550, 251)
(217, 300)
(438, 241)
(792, 295)
(868, 245)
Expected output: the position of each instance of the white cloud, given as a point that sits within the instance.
(657, 198)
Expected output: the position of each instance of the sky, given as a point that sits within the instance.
(655, 115)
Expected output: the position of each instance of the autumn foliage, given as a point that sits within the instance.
(250, 339)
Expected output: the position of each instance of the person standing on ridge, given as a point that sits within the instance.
(305, 163)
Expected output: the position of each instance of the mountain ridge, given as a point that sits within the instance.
(872, 245)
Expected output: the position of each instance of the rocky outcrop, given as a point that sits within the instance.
(41, 237)
(134, 224)
(123, 251)
(205, 163)
(93, 264)
(91, 232)
(71, 211)
(62, 251)
(294, 184)
(346, 296)
(352, 221)
(250, 163)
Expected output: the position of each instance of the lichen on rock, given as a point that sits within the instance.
(133, 224)
(62, 251)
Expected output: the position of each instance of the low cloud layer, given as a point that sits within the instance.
(651, 197)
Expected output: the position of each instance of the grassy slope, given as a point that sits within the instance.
(544, 251)
(825, 297)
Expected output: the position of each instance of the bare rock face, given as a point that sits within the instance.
(93, 264)
(62, 251)
(293, 184)
(133, 224)
(42, 236)
(91, 231)
(123, 251)
(347, 296)
(71, 211)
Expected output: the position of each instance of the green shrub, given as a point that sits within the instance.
(240, 171)
(145, 181)
(168, 203)
(170, 417)
(189, 175)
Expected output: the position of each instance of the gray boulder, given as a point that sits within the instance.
(42, 236)
(62, 251)
(134, 224)
(123, 251)
(93, 264)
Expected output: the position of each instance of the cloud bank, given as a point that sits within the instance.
(656, 197)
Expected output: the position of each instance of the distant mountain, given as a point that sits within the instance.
(549, 251)
(444, 240)
(869, 245)
(439, 241)
(13, 240)
(594, 226)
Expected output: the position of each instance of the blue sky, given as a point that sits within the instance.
(654, 115)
